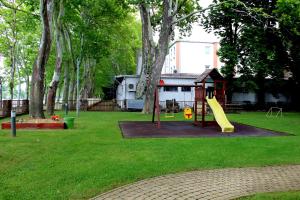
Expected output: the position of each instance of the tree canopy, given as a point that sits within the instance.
(256, 41)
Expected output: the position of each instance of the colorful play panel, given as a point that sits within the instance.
(145, 129)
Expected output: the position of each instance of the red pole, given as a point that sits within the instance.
(157, 107)
(215, 89)
(203, 103)
(224, 93)
(195, 105)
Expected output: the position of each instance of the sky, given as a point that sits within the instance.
(198, 33)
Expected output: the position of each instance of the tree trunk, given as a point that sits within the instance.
(38, 74)
(87, 87)
(147, 51)
(59, 56)
(13, 54)
(58, 92)
(72, 89)
(160, 54)
(27, 86)
(66, 82)
(12, 75)
(19, 86)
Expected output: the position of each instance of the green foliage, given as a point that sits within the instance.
(288, 15)
(251, 44)
(19, 38)
(107, 30)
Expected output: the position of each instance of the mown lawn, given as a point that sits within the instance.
(93, 157)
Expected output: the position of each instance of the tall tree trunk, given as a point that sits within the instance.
(27, 86)
(86, 86)
(66, 82)
(160, 54)
(72, 88)
(19, 86)
(59, 56)
(38, 74)
(12, 74)
(58, 92)
(147, 51)
(13, 54)
(45, 100)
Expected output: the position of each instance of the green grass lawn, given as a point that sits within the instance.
(93, 157)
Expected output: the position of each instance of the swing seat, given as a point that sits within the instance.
(169, 116)
(187, 112)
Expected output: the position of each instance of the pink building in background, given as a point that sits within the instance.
(191, 57)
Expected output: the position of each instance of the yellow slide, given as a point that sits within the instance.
(220, 115)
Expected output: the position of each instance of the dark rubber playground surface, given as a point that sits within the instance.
(145, 129)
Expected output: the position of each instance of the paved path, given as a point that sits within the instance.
(211, 184)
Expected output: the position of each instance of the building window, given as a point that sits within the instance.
(207, 66)
(207, 50)
(186, 89)
(170, 89)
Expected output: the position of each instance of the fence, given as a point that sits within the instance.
(88, 105)
(20, 106)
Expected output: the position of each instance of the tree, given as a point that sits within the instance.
(16, 28)
(94, 40)
(251, 45)
(38, 74)
(59, 56)
(287, 13)
(163, 17)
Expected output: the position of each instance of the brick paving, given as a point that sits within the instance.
(216, 184)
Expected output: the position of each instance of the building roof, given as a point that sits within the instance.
(212, 73)
(179, 75)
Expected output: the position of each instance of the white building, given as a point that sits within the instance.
(191, 57)
(126, 89)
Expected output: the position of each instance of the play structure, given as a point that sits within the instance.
(210, 89)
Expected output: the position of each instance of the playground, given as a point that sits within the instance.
(146, 129)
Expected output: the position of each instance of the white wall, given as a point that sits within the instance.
(190, 57)
(270, 98)
(240, 97)
(194, 57)
(251, 96)
(122, 90)
(183, 97)
(170, 61)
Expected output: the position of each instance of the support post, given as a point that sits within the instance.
(154, 107)
(203, 103)
(77, 87)
(13, 123)
(195, 105)
(66, 109)
(157, 108)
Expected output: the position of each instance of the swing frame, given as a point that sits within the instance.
(156, 107)
(200, 95)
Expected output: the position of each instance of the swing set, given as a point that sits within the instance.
(217, 88)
